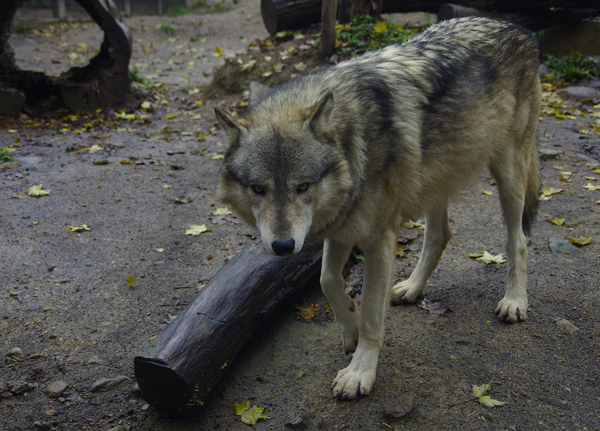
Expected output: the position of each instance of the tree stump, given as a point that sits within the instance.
(189, 357)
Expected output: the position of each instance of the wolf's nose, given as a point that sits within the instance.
(283, 247)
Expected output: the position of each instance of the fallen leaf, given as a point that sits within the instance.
(218, 52)
(380, 27)
(82, 228)
(166, 187)
(130, 280)
(94, 149)
(225, 211)
(547, 192)
(412, 224)
(480, 391)
(36, 191)
(488, 258)
(485, 192)
(580, 239)
(218, 157)
(307, 311)
(566, 176)
(249, 414)
(197, 229)
(590, 186)
(399, 252)
(160, 250)
(489, 402)
(557, 220)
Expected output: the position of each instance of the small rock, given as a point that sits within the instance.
(3, 387)
(11, 101)
(96, 360)
(462, 341)
(104, 384)
(135, 390)
(9, 165)
(121, 428)
(297, 422)
(55, 389)
(567, 325)
(20, 387)
(51, 412)
(579, 94)
(548, 153)
(544, 69)
(400, 407)
(15, 352)
(41, 425)
(558, 245)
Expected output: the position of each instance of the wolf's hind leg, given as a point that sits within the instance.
(437, 235)
(335, 255)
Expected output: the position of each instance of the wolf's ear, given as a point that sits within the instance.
(228, 124)
(319, 123)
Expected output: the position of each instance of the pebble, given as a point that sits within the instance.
(20, 387)
(579, 94)
(107, 384)
(55, 389)
(51, 412)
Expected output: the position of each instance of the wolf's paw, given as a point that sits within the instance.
(354, 380)
(406, 292)
(347, 323)
(511, 311)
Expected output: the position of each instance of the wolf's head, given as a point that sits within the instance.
(283, 172)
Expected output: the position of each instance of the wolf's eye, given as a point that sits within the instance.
(302, 188)
(259, 190)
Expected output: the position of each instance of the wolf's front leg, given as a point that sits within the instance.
(335, 255)
(359, 376)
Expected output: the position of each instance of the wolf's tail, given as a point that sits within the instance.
(532, 192)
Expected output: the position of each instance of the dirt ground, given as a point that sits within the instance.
(69, 314)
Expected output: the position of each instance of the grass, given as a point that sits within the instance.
(4, 156)
(179, 10)
(167, 28)
(572, 68)
(135, 75)
(364, 33)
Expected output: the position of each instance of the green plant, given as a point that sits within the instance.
(4, 156)
(572, 68)
(364, 33)
(167, 28)
(178, 10)
(135, 75)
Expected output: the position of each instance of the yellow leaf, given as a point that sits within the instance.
(412, 224)
(12, 131)
(485, 192)
(166, 187)
(171, 116)
(130, 280)
(399, 252)
(380, 27)
(146, 105)
(218, 157)
(125, 162)
(222, 211)
(197, 229)
(94, 149)
(160, 250)
(308, 311)
(580, 239)
(565, 176)
(592, 165)
(249, 414)
(82, 228)
(298, 36)
(36, 191)
(125, 116)
(590, 186)
(218, 52)
(487, 258)
(557, 220)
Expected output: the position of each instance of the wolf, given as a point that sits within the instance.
(346, 153)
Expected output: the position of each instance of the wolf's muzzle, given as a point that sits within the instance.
(283, 247)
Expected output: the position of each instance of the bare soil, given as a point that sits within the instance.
(66, 303)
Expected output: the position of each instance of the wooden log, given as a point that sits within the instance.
(281, 15)
(534, 20)
(193, 352)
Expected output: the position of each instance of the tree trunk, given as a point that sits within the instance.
(327, 46)
(192, 353)
(281, 15)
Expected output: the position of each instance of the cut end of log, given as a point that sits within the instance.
(161, 387)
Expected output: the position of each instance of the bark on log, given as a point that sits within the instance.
(281, 15)
(193, 352)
